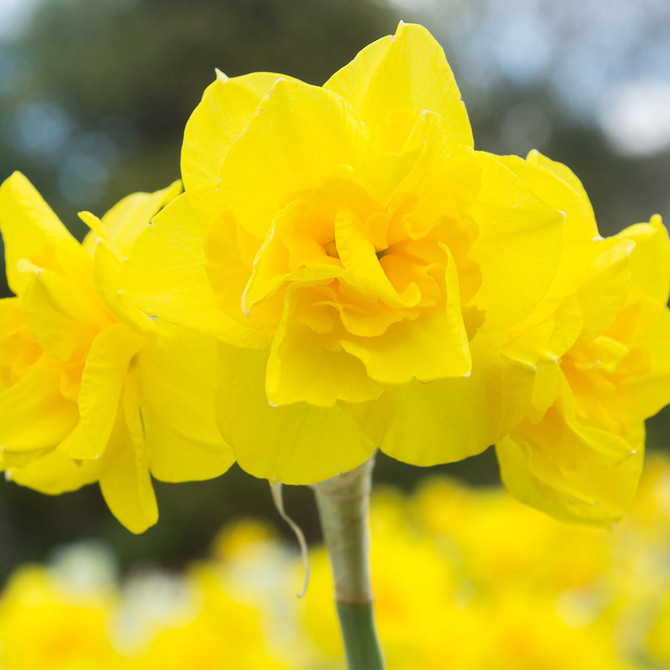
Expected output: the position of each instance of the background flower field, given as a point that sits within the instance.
(541, 595)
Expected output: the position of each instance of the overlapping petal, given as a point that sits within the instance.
(81, 366)
(297, 444)
(31, 230)
(177, 378)
(393, 80)
(596, 340)
(174, 283)
(220, 118)
(519, 239)
(570, 470)
(298, 136)
(451, 419)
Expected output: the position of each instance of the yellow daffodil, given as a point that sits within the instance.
(45, 625)
(90, 388)
(600, 343)
(352, 253)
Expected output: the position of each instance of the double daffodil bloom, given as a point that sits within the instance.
(90, 388)
(353, 254)
(599, 340)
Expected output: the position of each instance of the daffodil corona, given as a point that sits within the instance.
(353, 254)
(90, 388)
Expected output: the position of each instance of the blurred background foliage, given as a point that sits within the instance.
(94, 97)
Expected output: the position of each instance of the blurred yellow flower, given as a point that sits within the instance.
(90, 388)
(47, 623)
(463, 578)
(599, 340)
(352, 252)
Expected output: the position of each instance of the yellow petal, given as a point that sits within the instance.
(602, 296)
(240, 283)
(177, 377)
(165, 273)
(548, 382)
(433, 346)
(121, 225)
(53, 473)
(104, 375)
(175, 458)
(572, 471)
(298, 444)
(61, 317)
(217, 121)
(19, 350)
(450, 419)
(33, 413)
(562, 172)
(358, 256)
(447, 177)
(394, 79)
(107, 278)
(643, 395)
(302, 369)
(124, 480)
(31, 230)
(556, 184)
(518, 247)
(298, 135)
(650, 260)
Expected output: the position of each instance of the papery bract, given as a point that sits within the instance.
(90, 388)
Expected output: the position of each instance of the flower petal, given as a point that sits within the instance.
(450, 419)
(396, 78)
(640, 396)
(121, 225)
(217, 121)
(175, 458)
(124, 480)
(603, 294)
(432, 346)
(650, 260)
(556, 185)
(107, 278)
(53, 473)
(298, 135)
(165, 272)
(177, 376)
(31, 230)
(60, 316)
(298, 444)
(572, 471)
(33, 413)
(518, 247)
(302, 369)
(102, 383)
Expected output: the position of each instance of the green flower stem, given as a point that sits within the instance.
(343, 506)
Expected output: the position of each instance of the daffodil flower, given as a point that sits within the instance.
(353, 254)
(599, 341)
(91, 389)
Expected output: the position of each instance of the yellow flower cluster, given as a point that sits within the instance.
(91, 389)
(476, 581)
(343, 271)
